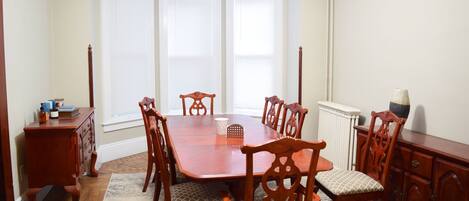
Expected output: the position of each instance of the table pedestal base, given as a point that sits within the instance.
(237, 188)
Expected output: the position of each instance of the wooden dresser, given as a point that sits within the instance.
(59, 151)
(425, 167)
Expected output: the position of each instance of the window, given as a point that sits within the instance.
(128, 58)
(192, 53)
(255, 56)
(232, 48)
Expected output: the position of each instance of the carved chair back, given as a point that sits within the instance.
(272, 108)
(292, 120)
(197, 107)
(162, 160)
(145, 105)
(380, 145)
(283, 167)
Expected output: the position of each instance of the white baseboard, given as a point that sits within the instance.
(120, 149)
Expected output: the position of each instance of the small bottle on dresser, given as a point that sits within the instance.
(43, 116)
(54, 113)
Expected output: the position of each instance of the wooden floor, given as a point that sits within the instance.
(94, 188)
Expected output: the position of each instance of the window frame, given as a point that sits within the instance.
(224, 100)
(116, 122)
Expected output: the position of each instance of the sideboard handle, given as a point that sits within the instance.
(415, 163)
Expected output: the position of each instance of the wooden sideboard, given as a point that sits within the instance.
(59, 151)
(425, 167)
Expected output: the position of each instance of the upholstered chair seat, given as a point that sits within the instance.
(347, 182)
(197, 192)
(370, 178)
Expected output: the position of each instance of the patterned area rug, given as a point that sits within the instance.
(128, 187)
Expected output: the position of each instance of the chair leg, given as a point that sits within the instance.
(154, 178)
(172, 167)
(315, 188)
(148, 175)
(299, 197)
(173, 173)
(156, 196)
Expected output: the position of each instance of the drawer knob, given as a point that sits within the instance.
(415, 163)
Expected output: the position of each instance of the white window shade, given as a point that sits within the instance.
(192, 51)
(128, 57)
(255, 42)
(232, 48)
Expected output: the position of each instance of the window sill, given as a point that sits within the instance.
(121, 123)
(131, 121)
(250, 112)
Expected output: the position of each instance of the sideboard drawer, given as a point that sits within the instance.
(433, 168)
(87, 124)
(85, 128)
(421, 164)
(59, 151)
(401, 157)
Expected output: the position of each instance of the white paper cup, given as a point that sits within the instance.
(222, 123)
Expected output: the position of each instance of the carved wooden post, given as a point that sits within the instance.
(300, 73)
(90, 74)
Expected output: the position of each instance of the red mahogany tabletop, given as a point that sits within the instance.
(203, 155)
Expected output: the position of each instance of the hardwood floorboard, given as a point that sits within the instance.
(94, 188)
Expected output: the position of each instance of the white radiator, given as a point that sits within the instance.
(336, 124)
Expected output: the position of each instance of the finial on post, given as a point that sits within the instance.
(300, 73)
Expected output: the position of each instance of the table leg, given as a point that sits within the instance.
(237, 188)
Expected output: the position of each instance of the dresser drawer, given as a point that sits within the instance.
(83, 133)
(86, 148)
(85, 152)
(421, 164)
(86, 124)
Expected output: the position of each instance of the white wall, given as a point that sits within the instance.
(421, 45)
(27, 72)
(293, 42)
(71, 32)
(75, 24)
(313, 37)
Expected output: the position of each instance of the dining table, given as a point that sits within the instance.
(202, 155)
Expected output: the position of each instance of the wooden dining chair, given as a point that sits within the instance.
(296, 116)
(145, 105)
(369, 183)
(283, 167)
(183, 191)
(272, 108)
(197, 104)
